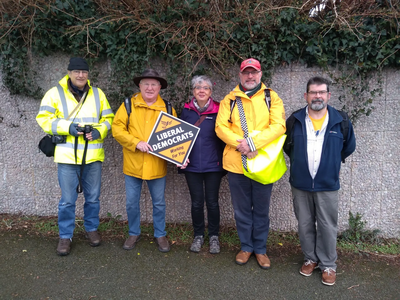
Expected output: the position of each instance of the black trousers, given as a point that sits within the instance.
(204, 187)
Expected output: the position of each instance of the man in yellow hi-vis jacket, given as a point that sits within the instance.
(250, 199)
(79, 118)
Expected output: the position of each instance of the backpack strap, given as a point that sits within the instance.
(128, 108)
(168, 106)
(267, 94)
(344, 128)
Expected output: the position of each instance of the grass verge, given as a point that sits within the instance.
(182, 234)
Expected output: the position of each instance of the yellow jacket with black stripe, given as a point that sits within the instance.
(141, 122)
(55, 107)
(270, 124)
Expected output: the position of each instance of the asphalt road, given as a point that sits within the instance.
(30, 269)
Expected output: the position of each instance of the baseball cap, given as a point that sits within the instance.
(250, 63)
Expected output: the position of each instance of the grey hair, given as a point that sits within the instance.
(198, 79)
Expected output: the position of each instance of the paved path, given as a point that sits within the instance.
(30, 269)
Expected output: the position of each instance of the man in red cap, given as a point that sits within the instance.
(243, 113)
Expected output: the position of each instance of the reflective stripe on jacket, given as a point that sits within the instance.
(141, 122)
(271, 124)
(55, 107)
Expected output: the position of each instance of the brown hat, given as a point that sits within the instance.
(150, 73)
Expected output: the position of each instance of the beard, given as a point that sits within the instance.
(317, 104)
(250, 85)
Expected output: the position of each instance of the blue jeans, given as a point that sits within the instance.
(250, 200)
(133, 188)
(91, 183)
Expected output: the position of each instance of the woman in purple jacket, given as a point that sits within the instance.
(204, 171)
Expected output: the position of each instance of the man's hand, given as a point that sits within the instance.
(243, 147)
(251, 155)
(73, 131)
(144, 147)
(94, 135)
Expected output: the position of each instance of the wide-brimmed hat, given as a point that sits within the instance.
(150, 73)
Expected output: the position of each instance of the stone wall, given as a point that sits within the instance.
(369, 178)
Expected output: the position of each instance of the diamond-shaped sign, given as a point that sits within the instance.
(172, 139)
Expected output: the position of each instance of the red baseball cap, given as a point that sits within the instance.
(250, 63)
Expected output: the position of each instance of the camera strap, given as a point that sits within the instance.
(79, 187)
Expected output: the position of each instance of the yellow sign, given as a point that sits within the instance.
(172, 139)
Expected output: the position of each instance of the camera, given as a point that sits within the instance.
(58, 139)
(85, 129)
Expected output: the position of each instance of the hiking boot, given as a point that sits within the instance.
(308, 267)
(64, 246)
(198, 241)
(263, 261)
(329, 276)
(94, 238)
(163, 244)
(131, 241)
(214, 245)
(242, 257)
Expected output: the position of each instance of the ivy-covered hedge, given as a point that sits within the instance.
(362, 35)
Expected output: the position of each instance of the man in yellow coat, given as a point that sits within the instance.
(132, 133)
(250, 199)
(79, 152)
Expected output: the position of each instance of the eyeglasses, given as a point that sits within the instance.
(313, 93)
(206, 88)
(77, 72)
(254, 73)
(152, 85)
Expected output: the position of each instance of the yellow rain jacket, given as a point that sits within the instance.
(56, 106)
(270, 124)
(141, 122)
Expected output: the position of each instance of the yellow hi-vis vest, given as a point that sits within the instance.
(55, 107)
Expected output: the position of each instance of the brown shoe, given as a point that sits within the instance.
(131, 241)
(64, 246)
(263, 261)
(163, 244)
(329, 276)
(242, 257)
(308, 267)
(94, 238)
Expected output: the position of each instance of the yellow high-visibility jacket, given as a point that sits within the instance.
(55, 107)
(270, 124)
(141, 122)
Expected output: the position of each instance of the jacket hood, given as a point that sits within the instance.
(211, 109)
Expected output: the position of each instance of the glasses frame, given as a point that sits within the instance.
(316, 93)
(77, 72)
(254, 73)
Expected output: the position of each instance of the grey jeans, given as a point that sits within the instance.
(317, 215)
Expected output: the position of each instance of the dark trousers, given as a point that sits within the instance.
(250, 200)
(204, 186)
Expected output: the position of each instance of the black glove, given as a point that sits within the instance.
(72, 129)
(95, 134)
